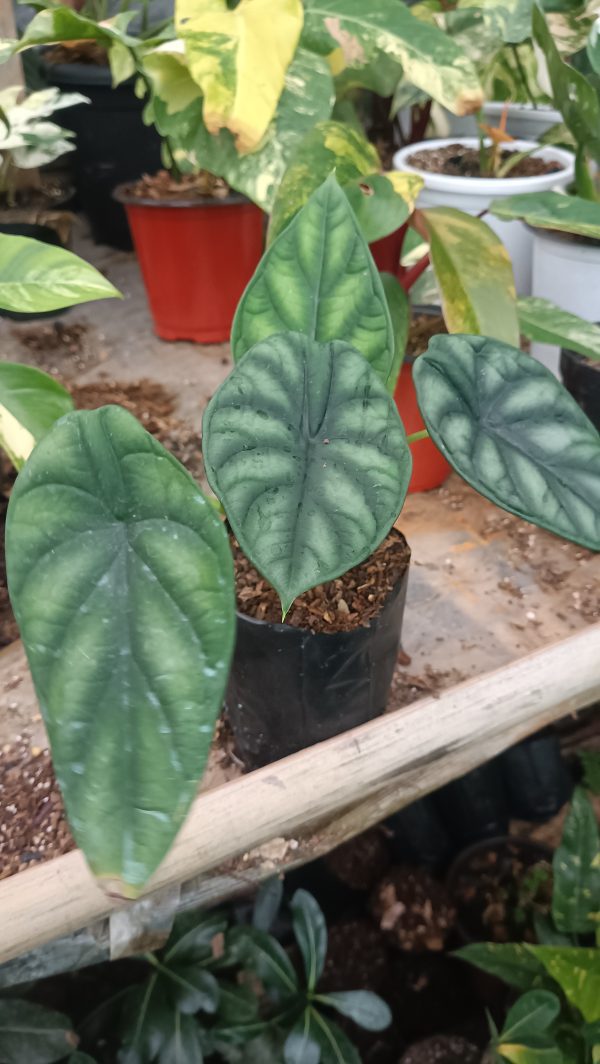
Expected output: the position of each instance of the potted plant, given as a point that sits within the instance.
(125, 595)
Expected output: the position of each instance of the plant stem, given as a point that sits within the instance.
(416, 436)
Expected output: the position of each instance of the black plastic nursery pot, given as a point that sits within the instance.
(47, 235)
(290, 688)
(113, 144)
(581, 377)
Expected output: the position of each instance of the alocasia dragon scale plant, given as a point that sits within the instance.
(120, 568)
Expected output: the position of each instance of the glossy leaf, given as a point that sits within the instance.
(577, 972)
(474, 275)
(538, 1054)
(176, 109)
(429, 58)
(544, 321)
(300, 1047)
(306, 451)
(511, 962)
(573, 94)
(225, 49)
(399, 308)
(37, 277)
(147, 1019)
(310, 930)
(381, 203)
(30, 402)
(576, 866)
(183, 1044)
(32, 1033)
(262, 954)
(530, 1016)
(512, 431)
(551, 210)
(329, 147)
(192, 937)
(335, 1046)
(319, 279)
(237, 1004)
(368, 1010)
(191, 989)
(121, 581)
(267, 903)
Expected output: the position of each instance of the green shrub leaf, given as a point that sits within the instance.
(121, 580)
(512, 431)
(30, 402)
(36, 277)
(310, 930)
(305, 449)
(399, 308)
(368, 1010)
(318, 278)
(509, 961)
(530, 1016)
(576, 866)
(262, 954)
(544, 321)
(32, 1033)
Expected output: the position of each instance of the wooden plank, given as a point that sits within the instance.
(387, 763)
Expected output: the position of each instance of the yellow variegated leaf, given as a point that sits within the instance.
(406, 185)
(239, 59)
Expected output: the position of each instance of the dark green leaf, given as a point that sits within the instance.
(184, 1042)
(551, 210)
(335, 1046)
(329, 147)
(267, 903)
(31, 1034)
(80, 1058)
(368, 1010)
(513, 432)
(576, 864)
(121, 581)
(474, 274)
(507, 961)
(546, 933)
(531, 1016)
(37, 277)
(300, 1047)
(30, 402)
(237, 1004)
(399, 308)
(590, 760)
(319, 279)
(306, 451)
(262, 954)
(541, 320)
(191, 989)
(192, 937)
(147, 1023)
(577, 972)
(310, 930)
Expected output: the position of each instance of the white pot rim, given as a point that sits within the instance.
(489, 186)
(544, 111)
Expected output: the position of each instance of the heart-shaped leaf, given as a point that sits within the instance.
(512, 431)
(474, 273)
(36, 277)
(530, 1016)
(383, 202)
(30, 402)
(539, 319)
(33, 1034)
(319, 279)
(310, 930)
(307, 453)
(368, 1010)
(121, 580)
(576, 866)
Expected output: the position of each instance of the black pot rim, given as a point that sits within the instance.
(93, 74)
(280, 626)
(494, 843)
(233, 199)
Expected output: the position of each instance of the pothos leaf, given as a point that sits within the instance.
(577, 972)
(512, 431)
(306, 450)
(36, 277)
(30, 402)
(576, 865)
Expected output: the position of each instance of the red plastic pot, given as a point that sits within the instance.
(196, 259)
(386, 252)
(430, 468)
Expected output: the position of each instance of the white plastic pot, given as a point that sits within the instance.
(474, 194)
(566, 270)
(523, 121)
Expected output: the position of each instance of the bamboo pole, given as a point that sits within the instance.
(348, 782)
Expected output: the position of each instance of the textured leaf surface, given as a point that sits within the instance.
(239, 58)
(319, 278)
(576, 866)
(310, 930)
(176, 108)
(305, 449)
(429, 58)
(577, 972)
(329, 147)
(33, 1034)
(551, 210)
(474, 275)
(539, 319)
(513, 432)
(36, 277)
(30, 402)
(121, 580)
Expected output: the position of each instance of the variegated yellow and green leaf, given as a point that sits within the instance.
(328, 147)
(551, 210)
(474, 274)
(30, 402)
(512, 431)
(429, 58)
(510, 19)
(36, 277)
(240, 59)
(305, 449)
(577, 972)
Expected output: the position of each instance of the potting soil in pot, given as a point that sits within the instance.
(458, 160)
(442, 1049)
